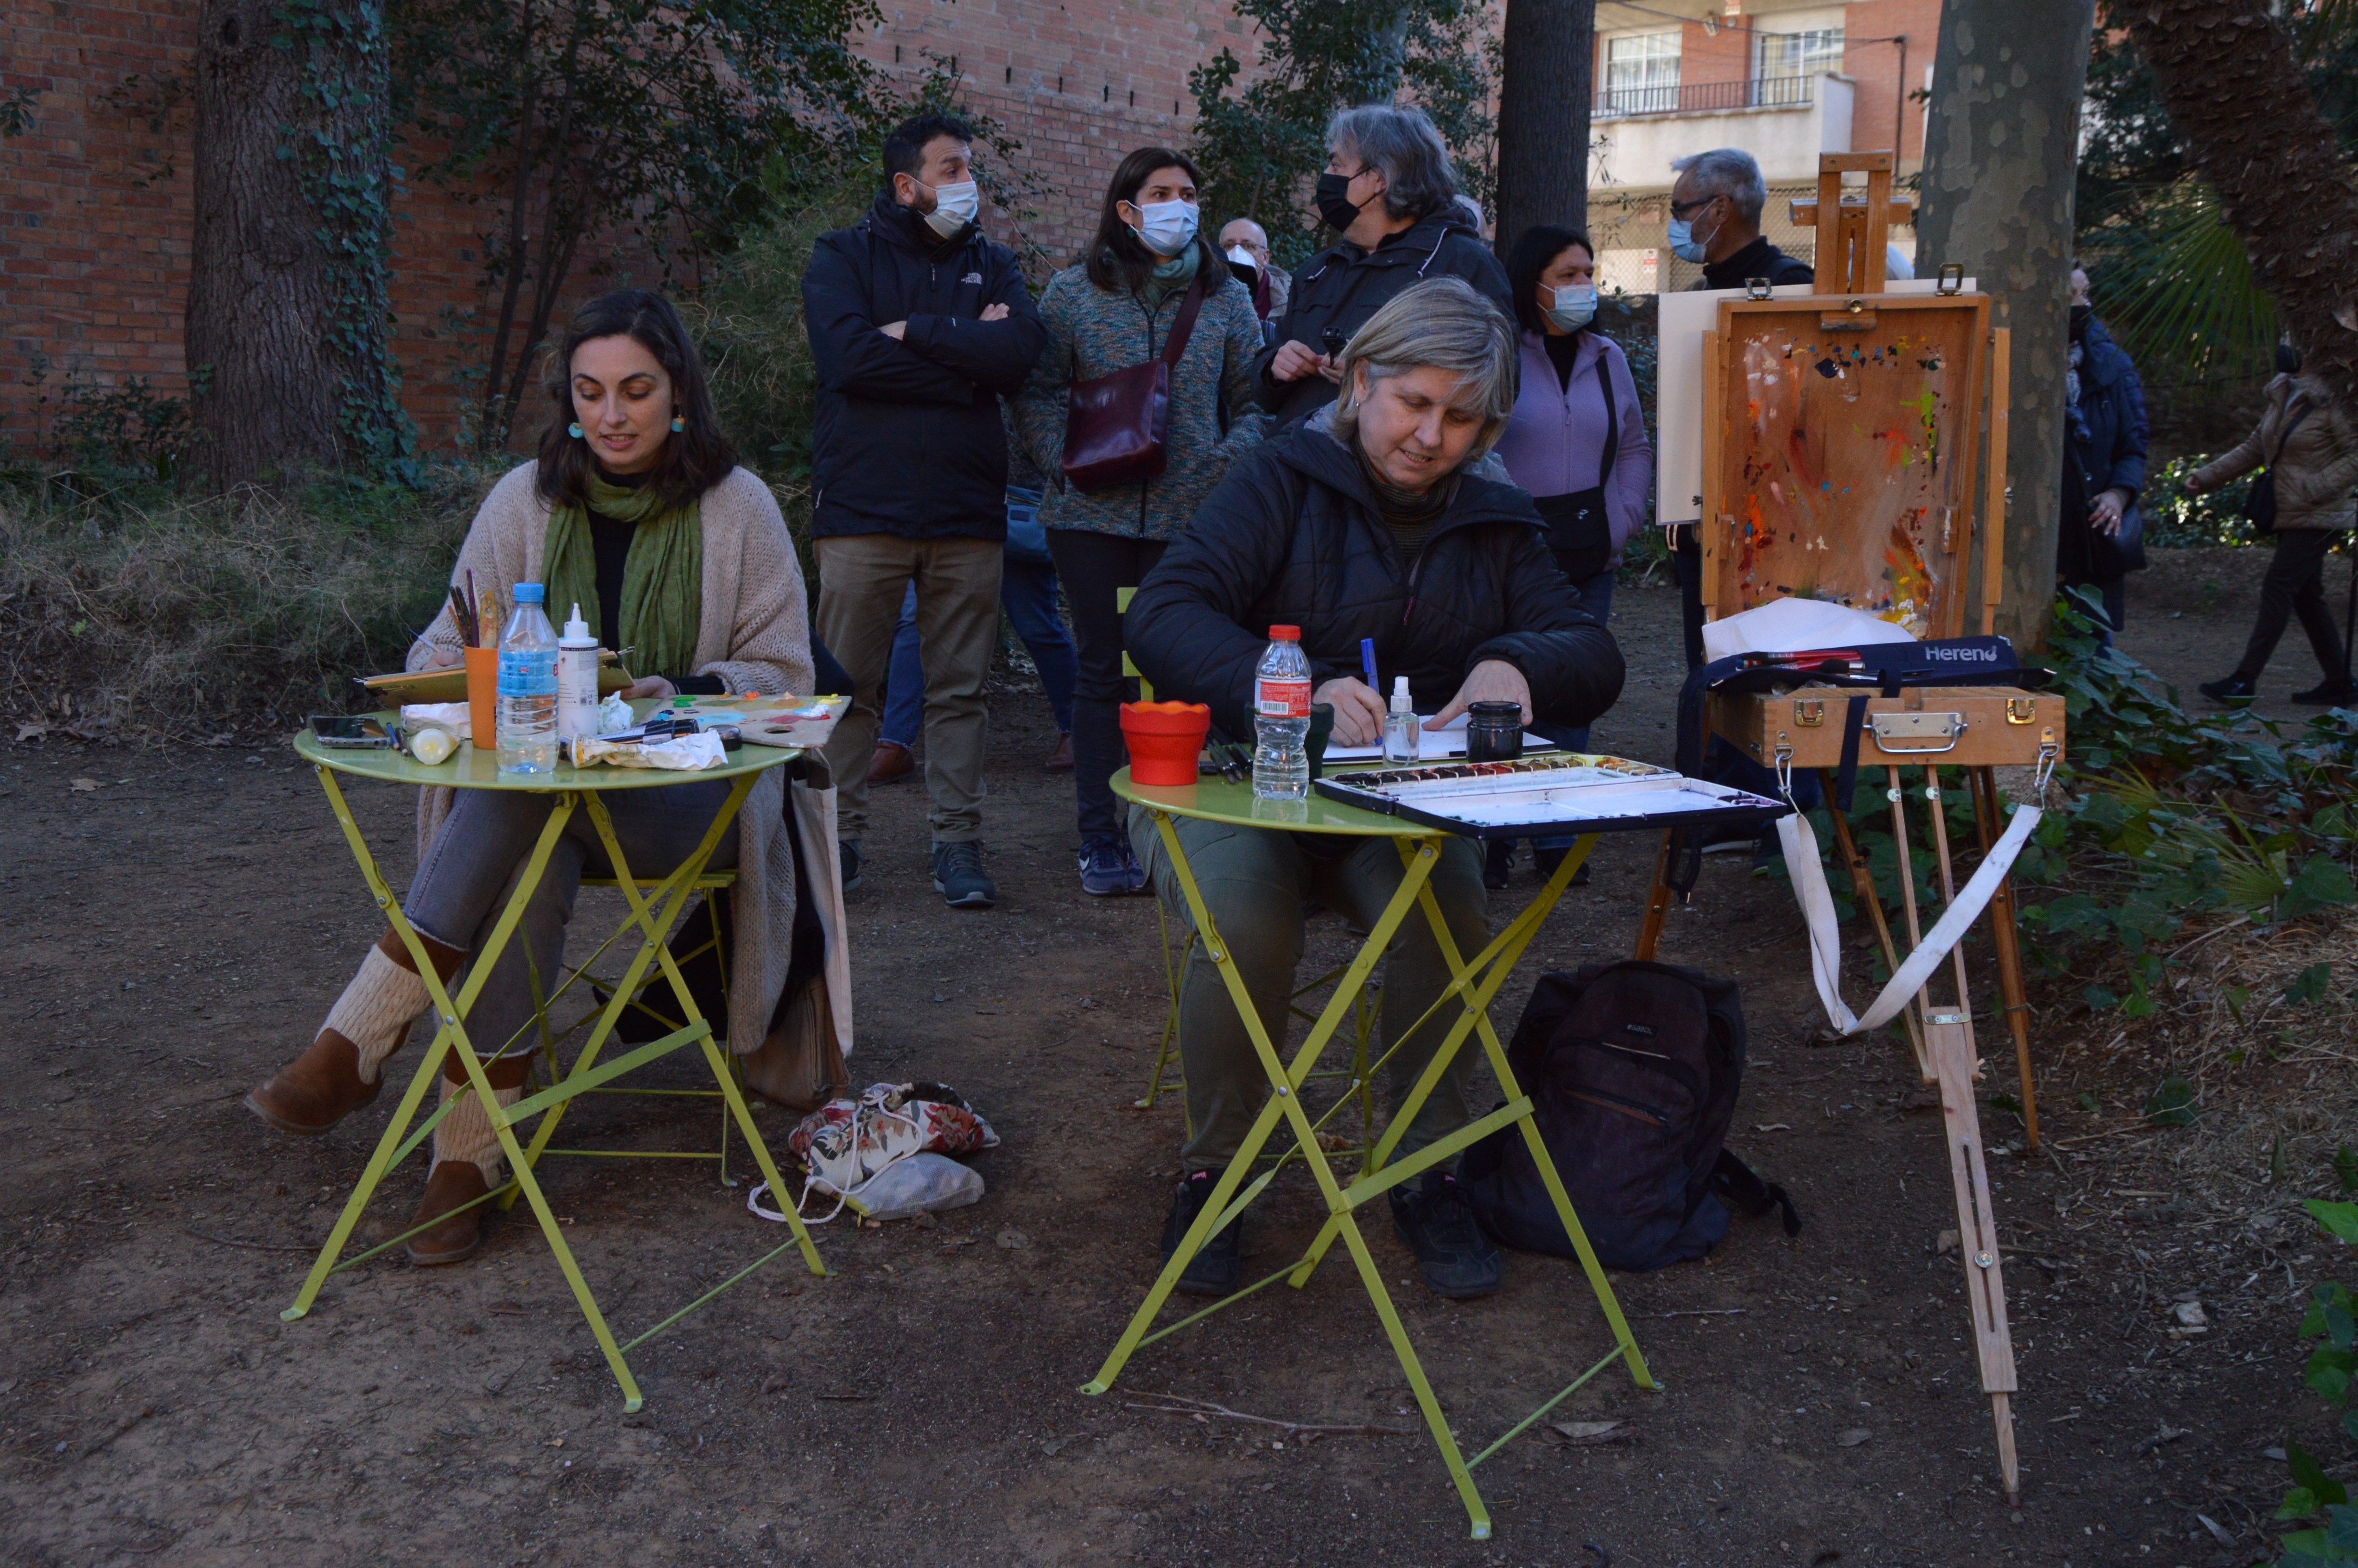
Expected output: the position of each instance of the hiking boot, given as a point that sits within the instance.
(2334, 693)
(1437, 1223)
(892, 763)
(1109, 870)
(1060, 761)
(847, 851)
(460, 1236)
(2236, 688)
(957, 876)
(1216, 1269)
(1498, 861)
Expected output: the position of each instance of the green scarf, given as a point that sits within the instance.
(1171, 277)
(662, 581)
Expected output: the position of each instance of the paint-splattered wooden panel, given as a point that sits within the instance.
(1846, 459)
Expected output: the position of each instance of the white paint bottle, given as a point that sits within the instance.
(577, 680)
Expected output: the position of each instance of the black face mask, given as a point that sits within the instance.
(2080, 314)
(1333, 200)
(2287, 360)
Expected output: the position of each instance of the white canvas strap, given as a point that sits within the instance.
(1809, 875)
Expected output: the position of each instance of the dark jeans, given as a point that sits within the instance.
(1686, 566)
(471, 867)
(2295, 585)
(1092, 566)
(1027, 591)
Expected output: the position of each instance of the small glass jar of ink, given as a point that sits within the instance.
(1493, 731)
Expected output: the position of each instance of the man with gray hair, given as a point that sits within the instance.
(1389, 194)
(1715, 219)
(1369, 520)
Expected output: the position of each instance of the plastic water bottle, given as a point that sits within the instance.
(577, 680)
(1281, 718)
(527, 718)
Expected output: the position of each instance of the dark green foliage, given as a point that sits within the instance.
(2331, 1365)
(1262, 147)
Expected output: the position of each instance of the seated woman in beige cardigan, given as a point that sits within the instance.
(635, 510)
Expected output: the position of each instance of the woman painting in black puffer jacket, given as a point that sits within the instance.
(1367, 521)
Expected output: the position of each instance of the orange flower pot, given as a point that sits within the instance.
(1165, 739)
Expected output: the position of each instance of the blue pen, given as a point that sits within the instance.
(1368, 662)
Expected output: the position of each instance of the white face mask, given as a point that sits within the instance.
(1167, 227)
(954, 207)
(1243, 258)
(1574, 307)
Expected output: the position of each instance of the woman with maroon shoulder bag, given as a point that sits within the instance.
(1141, 399)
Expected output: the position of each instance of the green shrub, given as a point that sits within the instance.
(2174, 518)
(2329, 1373)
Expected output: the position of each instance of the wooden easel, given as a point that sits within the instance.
(1775, 521)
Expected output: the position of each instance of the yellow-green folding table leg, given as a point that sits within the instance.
(451, 1031)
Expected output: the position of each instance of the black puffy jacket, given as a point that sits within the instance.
(1342, 286)
(908, 439)
(1292, 535)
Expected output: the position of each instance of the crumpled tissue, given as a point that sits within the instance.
(685, 753)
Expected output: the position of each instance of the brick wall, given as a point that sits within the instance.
(1879, 117)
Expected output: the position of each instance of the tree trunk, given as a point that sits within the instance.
(2224, 71)
(1550, 54)
(284, 334)
(1998, 172)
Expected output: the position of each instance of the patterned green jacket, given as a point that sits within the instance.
(1092, 332)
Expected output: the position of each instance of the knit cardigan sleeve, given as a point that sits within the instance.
(755, 634)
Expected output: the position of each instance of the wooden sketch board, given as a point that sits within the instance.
(1842, 462)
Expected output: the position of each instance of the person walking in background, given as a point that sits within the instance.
(2102, 539)
(2305, 442)
(918, 326)
(1246, 243)
(1576, 442)
(1390, 195)
(1149, 278)
(1027, 592)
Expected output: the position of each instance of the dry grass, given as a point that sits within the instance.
(159, 617)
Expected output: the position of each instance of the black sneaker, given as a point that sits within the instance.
(1216, 1269)
(2329, 693)
(1498, 860)
(848, 849)
(1437, 1223)
(957, 876)
(2231, 688)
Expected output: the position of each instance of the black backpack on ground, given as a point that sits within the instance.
(1633, 1070)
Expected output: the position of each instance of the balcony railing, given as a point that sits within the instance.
(1699, 97)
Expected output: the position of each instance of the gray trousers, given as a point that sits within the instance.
(1255, 881)
(479, 854)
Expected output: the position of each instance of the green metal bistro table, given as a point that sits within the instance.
(1474, 983)
(652, 917)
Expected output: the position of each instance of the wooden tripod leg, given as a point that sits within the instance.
(2007, 940)
(1657, 903)
(1907, 873)
(1862, 888)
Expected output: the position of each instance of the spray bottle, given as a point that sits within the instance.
(1402, 735)
(577, 680)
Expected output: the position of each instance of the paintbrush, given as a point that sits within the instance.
(462, 617)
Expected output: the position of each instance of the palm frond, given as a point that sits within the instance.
(2175, 286)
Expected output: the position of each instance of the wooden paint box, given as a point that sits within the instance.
(1962, 726)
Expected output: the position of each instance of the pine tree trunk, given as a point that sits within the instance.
(1998, 170)
(1549, 80)
(284, 334)
(2224, 71)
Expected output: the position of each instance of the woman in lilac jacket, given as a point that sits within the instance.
(1576, 442)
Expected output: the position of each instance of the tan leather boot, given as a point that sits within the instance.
(466, 1164)
(339, 1073)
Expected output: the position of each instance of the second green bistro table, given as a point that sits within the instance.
(1474, 981)
(573, 789)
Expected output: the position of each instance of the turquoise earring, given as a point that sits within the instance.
(678, 426)
(574, 430)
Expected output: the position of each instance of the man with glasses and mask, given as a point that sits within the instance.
(1390, 196)
(918, 326)
(1715, 220)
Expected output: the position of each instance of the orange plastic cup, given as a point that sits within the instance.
(483, 697)
(1165, 739)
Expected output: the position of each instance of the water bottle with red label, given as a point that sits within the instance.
(1281, 718)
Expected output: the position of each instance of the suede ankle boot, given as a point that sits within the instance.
(466, 1162)
(339, 1073)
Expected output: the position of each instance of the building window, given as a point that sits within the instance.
(1641, 74)
(1786, 64)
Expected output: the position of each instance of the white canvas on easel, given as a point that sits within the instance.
(1683, 317)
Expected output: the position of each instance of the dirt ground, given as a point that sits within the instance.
(175, 933)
